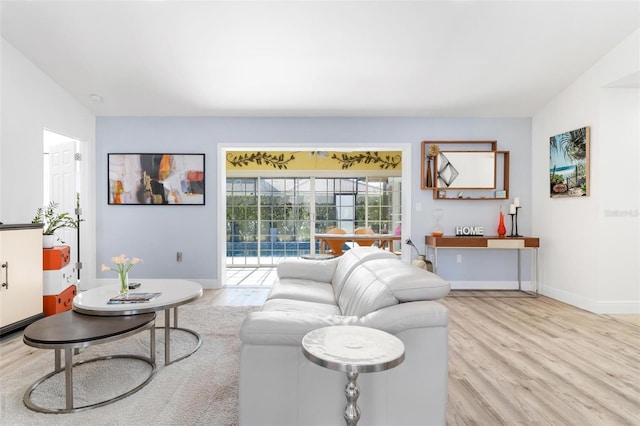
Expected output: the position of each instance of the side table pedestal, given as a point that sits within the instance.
(353, 350)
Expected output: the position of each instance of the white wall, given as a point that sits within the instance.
(619, 198)
(156, 233)
(589, 255)
(30, 103)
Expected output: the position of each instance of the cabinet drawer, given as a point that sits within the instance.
(55, 258)
(62, 302)
(54, 282)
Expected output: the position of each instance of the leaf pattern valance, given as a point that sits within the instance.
(314, 160)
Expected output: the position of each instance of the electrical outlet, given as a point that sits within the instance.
(179, 256)
(459, 258)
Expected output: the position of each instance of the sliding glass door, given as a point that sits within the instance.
(267, 219)
(273, 218)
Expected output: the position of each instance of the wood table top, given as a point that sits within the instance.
(71, 327)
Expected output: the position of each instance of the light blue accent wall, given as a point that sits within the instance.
(156, 233)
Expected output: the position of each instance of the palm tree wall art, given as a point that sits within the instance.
(569, 164)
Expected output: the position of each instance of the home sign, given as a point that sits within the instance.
(468, 231)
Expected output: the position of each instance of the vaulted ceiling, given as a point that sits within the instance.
(316, 58)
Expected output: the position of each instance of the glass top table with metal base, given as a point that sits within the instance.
(353, 350)
(173, 293)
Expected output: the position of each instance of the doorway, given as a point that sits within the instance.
(62, 186)
(399, 206)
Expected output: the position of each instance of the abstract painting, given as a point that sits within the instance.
(156, 179)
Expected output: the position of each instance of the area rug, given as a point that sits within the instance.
(199, 390)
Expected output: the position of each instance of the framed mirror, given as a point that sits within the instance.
(466, 170)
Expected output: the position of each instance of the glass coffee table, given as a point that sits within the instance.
(173, 293)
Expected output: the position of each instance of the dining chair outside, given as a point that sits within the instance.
(363, 231)
(336, 245)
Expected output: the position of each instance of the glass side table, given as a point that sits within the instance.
(353, 350)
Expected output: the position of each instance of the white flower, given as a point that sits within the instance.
(122, 264)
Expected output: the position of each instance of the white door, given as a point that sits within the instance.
(63, 190)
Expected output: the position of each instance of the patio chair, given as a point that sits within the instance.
(335, 246)
(364, 231)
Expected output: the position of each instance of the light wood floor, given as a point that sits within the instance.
(535, 361)
(513, 360)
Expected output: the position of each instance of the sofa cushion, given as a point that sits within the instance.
(351, 259)
(363, 292)
(384, 282)
(406, 316)
(300, 307)
(408, 283)
(302, 289)
(285, 328)
(317, 270)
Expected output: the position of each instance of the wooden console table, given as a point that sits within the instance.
(491, 243)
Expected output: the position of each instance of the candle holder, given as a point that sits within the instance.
(514, 223)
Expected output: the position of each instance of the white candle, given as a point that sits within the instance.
(512, 209)
(516, 201)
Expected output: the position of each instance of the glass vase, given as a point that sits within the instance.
(124, 283)
(437, 228)
(502, 230)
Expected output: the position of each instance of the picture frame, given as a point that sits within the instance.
(156, 179)
(569, 164)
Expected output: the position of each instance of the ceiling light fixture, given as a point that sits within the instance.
(95, 98)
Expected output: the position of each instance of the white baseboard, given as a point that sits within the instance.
(618, 307)
(206, 283)
(491, 285)
(597, 307)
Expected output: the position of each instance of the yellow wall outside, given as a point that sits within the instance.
(314, 160)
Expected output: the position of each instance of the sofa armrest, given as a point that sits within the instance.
(285, 328)
(408, 315)
(316, 270)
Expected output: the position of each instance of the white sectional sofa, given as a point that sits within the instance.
(367, 287)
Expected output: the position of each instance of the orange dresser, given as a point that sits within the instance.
(55, 258)
(59, 280)
(55, 304)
